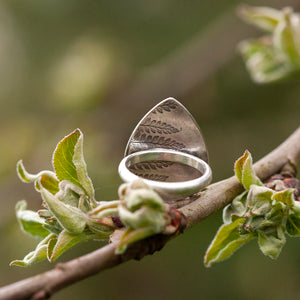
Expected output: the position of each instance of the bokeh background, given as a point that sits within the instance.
(100, 66)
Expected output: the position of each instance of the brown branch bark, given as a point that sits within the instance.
(215, 197)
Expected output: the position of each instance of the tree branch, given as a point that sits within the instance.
(215, 197)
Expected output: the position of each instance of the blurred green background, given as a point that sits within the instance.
(100, 66)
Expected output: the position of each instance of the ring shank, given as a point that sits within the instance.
(168, 190)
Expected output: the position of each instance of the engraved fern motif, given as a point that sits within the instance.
(166, 106)
(153, 126)
(155, 177)
(153, 165)
(157, 140)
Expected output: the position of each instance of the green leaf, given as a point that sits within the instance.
(284, 38)
(70, 193)
(30, 222)
(40, 253)
(226, 242)
(237, 208)
(238, 166)
(144, 217)
(271, 243)
(293, 225)
(23, 174)
(285, 196)
(263, 62)
(69, 164)
(48, 182)
(69, 217)
(130, 236)
(276, 215)
(67, 240)
(244, 171)
(296, 207)
(63, 158)
(50, 247)
(81, 168)
(252, 223)
(27, 177)
(144, 197)
(265, 18)
(259, 200)
(248, 175)
(104, 209)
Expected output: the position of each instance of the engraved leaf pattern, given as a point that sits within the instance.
(157, 140)
(155, 177)
(166, 106)
(153, 165)
(154, 126)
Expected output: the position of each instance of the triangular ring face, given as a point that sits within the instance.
(168, 125)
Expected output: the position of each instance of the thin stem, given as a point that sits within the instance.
(215, 197)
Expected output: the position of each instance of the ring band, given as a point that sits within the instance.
(174, 190)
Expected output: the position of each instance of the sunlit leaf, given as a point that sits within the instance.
(63, 158)
(285, 39)
(244, 171)
(48, 182)
(69, 164)
(40, 253)
(264, 64)
(81, 168)
(239, 164)
(277, 56)
(265, 18)
(285, 196)
(226, 242)
(27, 177)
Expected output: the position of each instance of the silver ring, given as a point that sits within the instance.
(167, 151)
(160, 158)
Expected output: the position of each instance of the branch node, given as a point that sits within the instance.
(41, 295)
(60, 266)
(289, 169)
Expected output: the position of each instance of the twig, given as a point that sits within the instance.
(213, 198)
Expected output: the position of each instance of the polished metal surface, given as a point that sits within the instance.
(186, 174)
(168, 125)
(167, 151)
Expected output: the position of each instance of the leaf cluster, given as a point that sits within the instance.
(71, 214)
(68, 195)
(276, 56)
(259, 212)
